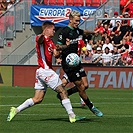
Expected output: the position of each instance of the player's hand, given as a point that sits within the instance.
(58, 47)
(67, 41)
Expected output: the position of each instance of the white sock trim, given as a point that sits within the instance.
(28, 103)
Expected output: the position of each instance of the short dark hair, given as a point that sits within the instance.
(47, 24)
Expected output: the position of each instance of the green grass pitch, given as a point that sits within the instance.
(51, 117)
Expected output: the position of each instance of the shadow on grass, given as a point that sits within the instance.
(66, 120)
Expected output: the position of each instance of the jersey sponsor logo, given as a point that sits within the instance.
(48, 77)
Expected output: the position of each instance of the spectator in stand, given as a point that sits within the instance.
(126, 15)
(117, 40)
(99, 28)
(123, 4)
(117, 27)
(107, 44)
(107, 29)
(124, 49)
(97, 56)
(89, 44)
(96, 38)
(106, 15)
(116, 56)
(129, 6)
(104, 36)
(10, 4)
(39, 2)
(125, 28)
(4, 5)
(127, 58)
(87, 57)
(113, 22)
(107, 57)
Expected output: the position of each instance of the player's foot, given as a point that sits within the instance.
(82, 103)
(11, 114)
(76, 118)
(96, 111)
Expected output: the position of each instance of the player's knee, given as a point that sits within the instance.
(37, 100)
(86, 87)
(63, 94)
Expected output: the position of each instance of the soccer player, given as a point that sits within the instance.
(77, 74)
(45, 76)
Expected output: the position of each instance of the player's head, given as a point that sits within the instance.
(74, 18)
(48, 28)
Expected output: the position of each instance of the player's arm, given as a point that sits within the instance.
(40, 39)
(61, 47)
(56, 53)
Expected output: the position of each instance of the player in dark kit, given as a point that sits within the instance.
(76, 74)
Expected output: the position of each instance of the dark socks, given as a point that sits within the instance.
(88, 103)
(72, 90)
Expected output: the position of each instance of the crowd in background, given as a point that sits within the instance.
(112, 41)
(6, 4)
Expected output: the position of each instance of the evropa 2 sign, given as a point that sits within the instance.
(57, 14)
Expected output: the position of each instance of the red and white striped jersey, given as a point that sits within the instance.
(45, 52)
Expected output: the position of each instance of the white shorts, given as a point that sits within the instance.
(47, 78)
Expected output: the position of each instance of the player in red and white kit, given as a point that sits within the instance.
(45, 76)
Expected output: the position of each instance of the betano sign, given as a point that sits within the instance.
(110, 79)
(98, 77)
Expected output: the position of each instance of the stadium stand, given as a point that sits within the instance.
(60, 2)
(69, 2)
(88, 3)
(52, 2)
(78, 2)
(96, 41)
(96, 3)
(73, 2)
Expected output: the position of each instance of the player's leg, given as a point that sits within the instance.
(39, 94)
(70, 91)
(87, 101)
(40, 91)
(67, 104)
(56, 84)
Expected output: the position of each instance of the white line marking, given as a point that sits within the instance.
(55, 104)
(109, 115)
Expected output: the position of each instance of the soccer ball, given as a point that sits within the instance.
(72, 60)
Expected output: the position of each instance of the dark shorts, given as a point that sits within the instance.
(75, 73)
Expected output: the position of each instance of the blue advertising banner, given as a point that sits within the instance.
(57, 14)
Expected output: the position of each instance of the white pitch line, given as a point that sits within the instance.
(55, 104)
(48, 114)
(97, 98)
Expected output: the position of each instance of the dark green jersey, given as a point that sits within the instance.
(73, 34)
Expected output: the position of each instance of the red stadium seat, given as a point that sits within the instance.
(46, 2)
(52, 2)
(96, 3)
(78, 2)
(88, 3)
(69, 2)
(60, 2)
(33, 1)
(103, 1)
